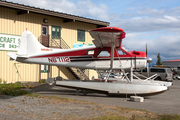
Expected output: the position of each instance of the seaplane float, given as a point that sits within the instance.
(106, 40)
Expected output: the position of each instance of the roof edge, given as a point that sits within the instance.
(52, 13)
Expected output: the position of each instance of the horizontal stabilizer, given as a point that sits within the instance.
(12, 55)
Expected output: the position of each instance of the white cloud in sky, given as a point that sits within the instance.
(167, 46)
(84, 8)
(155, 22)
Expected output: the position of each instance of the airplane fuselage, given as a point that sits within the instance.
(89, 58)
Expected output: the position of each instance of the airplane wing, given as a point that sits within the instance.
(106, 36)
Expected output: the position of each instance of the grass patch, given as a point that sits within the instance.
(42, 81)
(60, 100)
(13, 89)
(111, 117)
(169, 117)
(138, 117)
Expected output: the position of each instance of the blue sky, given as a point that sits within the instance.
(152, 22)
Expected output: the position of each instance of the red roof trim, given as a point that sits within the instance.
(178, 60)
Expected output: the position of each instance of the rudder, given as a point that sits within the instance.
(29, 45)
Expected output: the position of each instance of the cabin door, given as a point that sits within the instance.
(45, 35)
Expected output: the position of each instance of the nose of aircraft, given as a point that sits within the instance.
(149, 60)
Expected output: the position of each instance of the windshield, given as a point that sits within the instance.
(126, 49)
(169, 71)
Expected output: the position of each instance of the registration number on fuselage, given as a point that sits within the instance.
(58, 59)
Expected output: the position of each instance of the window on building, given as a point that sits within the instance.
(81, 35)
(44, 30)
(56, 32)
(44, 68)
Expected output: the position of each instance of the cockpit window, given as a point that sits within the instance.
(103, 54)
(120, 52)
(124, 48)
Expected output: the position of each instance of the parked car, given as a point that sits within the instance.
(165, 74)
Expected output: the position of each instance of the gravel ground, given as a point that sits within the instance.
(34, 108)
(164, 103)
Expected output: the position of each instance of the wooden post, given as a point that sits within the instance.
(39, 72)
(48, 71)
(58, 70)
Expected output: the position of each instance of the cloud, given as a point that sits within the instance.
(148, 19)
(84, 8)
(152, 12)
(167, 46)
(146, 24)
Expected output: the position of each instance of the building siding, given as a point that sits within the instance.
(11, 23)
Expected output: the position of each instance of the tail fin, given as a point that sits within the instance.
(29, 45)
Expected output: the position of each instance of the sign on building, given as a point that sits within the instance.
(9, 42)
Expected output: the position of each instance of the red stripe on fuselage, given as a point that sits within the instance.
(84, 53)
(66, 54)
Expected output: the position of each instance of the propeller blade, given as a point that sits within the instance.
(149, 60)
(146, 50)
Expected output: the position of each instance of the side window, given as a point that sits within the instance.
(81, 35)
(44, 69)
(103, 54)
(158, 70)
(56, 32)
(144, 70)
(120, 52)
(162, 70)
(153, 70)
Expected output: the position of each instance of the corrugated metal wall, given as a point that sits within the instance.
(12, 71)
(14, 24)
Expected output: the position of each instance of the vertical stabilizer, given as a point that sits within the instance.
(29, 45)
(22, 49)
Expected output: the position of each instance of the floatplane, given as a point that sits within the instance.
(107, 40)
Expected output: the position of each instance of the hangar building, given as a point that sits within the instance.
(52, 29)
(171, 63)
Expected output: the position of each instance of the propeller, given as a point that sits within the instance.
(149, 60)
(146, 49)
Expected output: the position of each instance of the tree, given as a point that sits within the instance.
(158, 60)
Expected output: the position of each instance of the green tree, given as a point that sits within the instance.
(158, 60)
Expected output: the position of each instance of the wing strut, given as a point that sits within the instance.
(112, 57)
(112, 52)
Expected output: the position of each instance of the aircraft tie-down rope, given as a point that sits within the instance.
(121, 67)
(122, 70)
(125, 75)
